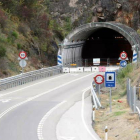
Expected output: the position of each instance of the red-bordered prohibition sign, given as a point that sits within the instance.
(22, 55)
(99, 79)
(123, 55)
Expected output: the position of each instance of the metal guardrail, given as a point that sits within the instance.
(29, 77)
(131, 96)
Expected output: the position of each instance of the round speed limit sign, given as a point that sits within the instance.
(123, 55)
(22, 55)
(99, 79)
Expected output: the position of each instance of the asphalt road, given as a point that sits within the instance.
(22, 108)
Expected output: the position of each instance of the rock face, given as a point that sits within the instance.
(84, 11)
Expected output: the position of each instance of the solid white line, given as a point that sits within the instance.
(39, 95)
(2, 95)
(82, 115)
(41, 124)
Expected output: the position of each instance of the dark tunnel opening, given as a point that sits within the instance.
(106, 44)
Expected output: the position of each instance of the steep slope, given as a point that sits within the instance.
(38, 26)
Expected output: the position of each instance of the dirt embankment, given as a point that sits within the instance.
(122, 123)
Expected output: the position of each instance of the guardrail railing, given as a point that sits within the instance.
(29, 77)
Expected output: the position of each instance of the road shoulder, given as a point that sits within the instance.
(71, 125)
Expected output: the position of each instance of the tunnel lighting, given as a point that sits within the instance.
(119, 37)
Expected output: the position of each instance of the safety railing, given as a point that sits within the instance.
(133, 97)
(29, 77)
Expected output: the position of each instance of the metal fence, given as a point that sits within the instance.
(131, 96)
(29, 77)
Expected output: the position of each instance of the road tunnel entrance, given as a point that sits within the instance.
(104, 40)
(106, 44)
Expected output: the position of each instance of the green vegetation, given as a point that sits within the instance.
(27, 25)
(67, 25)
(2, 51)
(19, 46)
(123, 74)
(12, 37)
(119, 113)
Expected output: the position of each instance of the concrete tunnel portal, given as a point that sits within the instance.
(99, 40)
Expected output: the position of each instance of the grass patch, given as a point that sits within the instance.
(124, 72)
(13, 67)
(119, 113)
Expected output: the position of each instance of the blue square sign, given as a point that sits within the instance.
(110, 79)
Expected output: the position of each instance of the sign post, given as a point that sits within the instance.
(22, 58)
(110, 100)
(110, 81)
(99, 79)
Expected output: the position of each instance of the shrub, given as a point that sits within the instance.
(12, 37)
(23, 29)
(68, 24)
(3, 19)
(123, 73)
(15, 35)
(19, 47)
(2, 51)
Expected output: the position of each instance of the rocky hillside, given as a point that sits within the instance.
(84, 11)
(38, 26)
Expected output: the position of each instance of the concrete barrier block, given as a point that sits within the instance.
(73, 69)
(66, 70)
(95, 69)
(110, 69)
(102, 69)
(87, 69)
(80, 69)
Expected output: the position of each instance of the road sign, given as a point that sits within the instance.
(22, 55)
(22, 63)
(110, 79)
(123, 55)
(96, 61)
(123, 63)
(99, 79)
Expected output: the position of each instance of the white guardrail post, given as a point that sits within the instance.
(106, 133)
(93, 116)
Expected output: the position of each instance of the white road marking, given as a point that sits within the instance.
(5, 100)
(2, 95)
(85, 89)
(74, 74)
(82, 115)
(39, 95)
(67, 138)
(41, 124)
